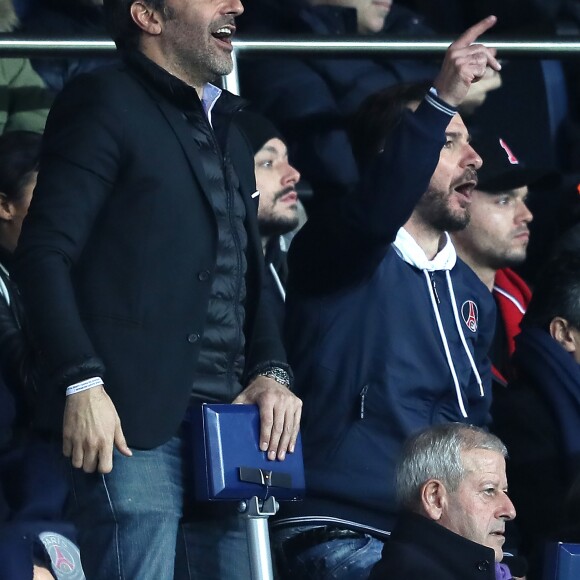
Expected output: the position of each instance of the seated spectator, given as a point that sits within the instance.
(539, 415)
(496, 240)
(33, 489)
(278, 211)
(385, 338)
(60, 19)
(452, 490)
(310, 98)
(24, 99)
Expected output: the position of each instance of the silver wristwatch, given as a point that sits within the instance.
(278, 374)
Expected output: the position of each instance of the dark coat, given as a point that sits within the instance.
(117, 255)
(420, 548)
(309, 98)
(538, 418)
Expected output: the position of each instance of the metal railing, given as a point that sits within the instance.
(561, 47)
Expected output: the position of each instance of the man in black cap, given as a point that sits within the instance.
(279, 209)
(496, 240)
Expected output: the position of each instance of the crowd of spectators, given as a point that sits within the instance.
(402, 307)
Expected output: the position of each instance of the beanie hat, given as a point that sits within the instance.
(257, 129)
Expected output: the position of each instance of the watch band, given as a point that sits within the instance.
(278, 374)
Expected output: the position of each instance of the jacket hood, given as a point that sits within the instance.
(8, 18)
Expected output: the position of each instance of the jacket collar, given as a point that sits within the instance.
(174, 89)
(430, 537)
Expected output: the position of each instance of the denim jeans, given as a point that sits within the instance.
(139, 523)
(338, 559)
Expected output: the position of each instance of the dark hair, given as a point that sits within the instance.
(19, 156)
(120, 24)
(379, 114)
(557, 292)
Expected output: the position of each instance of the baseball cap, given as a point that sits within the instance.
(502, 169)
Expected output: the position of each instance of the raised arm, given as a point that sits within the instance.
(345, 238)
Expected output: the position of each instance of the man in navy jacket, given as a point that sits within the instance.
(385, 338)
(140, 265)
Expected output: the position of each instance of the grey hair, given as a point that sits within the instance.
(435, 453)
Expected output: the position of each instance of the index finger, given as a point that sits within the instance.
(472, 34)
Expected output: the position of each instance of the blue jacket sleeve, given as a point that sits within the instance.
(346, 236)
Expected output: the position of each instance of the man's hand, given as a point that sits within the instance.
(280, 412)
(465, 63)
(91, 427)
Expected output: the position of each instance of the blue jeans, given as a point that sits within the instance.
(139, 523)
(338, 559)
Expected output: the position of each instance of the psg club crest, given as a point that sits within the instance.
(64, 556)
(470, 315)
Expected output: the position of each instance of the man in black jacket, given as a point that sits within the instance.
(452, 488)
(140, 265)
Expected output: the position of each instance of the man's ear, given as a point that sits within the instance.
(6, 208)
(560, 331)
(433, 499)
(146, 18)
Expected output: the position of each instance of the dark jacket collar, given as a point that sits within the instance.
(454, 552)
(174, 89)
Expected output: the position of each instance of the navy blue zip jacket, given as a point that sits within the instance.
(362, 333)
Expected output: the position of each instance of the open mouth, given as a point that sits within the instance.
(465, 189)
(224, 34)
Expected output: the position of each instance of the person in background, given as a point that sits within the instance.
(310, 98)
(34, 536)
(58, 19)
(539, 414)
(24, 98)
(496, 240)
(279, 209)
(452, 490)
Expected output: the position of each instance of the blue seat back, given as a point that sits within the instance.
(228, 463)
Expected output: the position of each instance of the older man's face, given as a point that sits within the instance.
(480, 507)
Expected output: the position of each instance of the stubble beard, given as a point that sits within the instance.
(203, 63)
(271, 225)
(433, 207)
(507, 259)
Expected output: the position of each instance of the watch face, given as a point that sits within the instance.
(279, 375)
